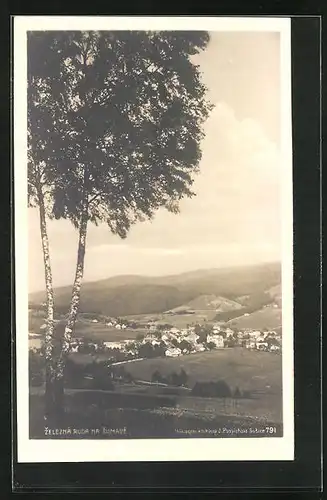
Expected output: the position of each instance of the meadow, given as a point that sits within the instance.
(153, 410)
(93, 331)
(176, 320)
(268, 317)
(149, 420)
(249, 370)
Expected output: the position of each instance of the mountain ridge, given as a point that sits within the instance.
(137, 294)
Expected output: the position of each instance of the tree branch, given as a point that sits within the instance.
(94, 197)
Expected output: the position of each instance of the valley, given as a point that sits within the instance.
(216, 326)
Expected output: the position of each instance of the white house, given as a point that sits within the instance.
(192, 337)
(255, 334)
(174, 331)
(274, 348)
(113, 345)
(94, 321)
(251, 344)
(262, 346)
(123, 326)
(118, 326)
(218, 340)
(109, 324)
(173, 352)
(199, 348)
(149, 337)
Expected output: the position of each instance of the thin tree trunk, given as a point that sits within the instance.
(49, 337)
(75, 300)
(79, 273)
(76, 292)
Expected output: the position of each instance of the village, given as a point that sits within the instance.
(159, 340)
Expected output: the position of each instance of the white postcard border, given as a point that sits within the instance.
(244, 449)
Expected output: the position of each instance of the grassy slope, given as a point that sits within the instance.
(258, 372)
(94, 331)
(249, 370)
(270, 318)
(209, 302)
(252, 370)
(267, 317)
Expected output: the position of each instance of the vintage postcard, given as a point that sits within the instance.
(153, 236)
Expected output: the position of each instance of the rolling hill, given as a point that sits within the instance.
(276, 293)
(267, 317)
(220, 304)
(131, 295)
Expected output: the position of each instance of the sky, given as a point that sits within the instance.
(235, 217)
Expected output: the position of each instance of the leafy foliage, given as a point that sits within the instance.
(36, 365)
(147, 350)
(218, 389)
(115, 121)
(237, 393)
(174, 378)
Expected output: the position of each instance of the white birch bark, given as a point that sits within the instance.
(79, 273)
(49, 333)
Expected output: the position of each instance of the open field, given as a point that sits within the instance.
(176, 320)
(35, 323)
(35, 342)
(157, 411)
(149, 416)
(94, 331)
(98, 331)
(254, 371)
(250, 370)
(268, 317)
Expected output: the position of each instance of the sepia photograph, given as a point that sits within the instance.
(153, 234)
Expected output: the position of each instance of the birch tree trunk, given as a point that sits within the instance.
(50, 374)
(79, 273)
(74, 305)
